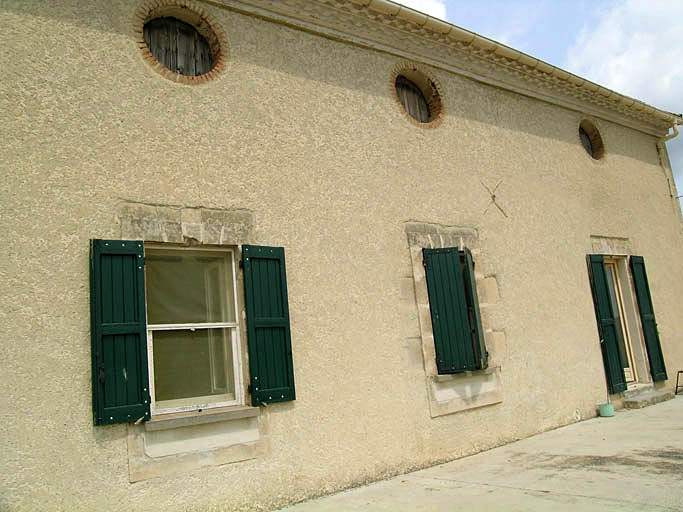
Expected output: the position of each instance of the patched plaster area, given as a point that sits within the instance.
(453, 393)
(160, 452)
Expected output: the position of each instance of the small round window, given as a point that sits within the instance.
(591, 139)
(418, 95)
(178, 46)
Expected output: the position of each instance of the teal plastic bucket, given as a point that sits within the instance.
(607, 410)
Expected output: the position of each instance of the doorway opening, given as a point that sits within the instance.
(614, 286)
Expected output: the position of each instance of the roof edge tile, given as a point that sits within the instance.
(386, 25)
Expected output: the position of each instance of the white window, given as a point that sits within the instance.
(192, 329)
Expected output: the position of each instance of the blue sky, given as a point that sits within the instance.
(634, 47)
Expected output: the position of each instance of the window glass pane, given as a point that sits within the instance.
(192, 367)
(187, 286)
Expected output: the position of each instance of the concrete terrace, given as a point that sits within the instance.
(631, 462)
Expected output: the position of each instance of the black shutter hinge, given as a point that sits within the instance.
(100, 373)
(241, 263)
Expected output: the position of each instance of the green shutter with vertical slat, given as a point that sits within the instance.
(118, 332)
(480, 354)
(607, 328)
(268, 332)
(448, 308)
(647, 319)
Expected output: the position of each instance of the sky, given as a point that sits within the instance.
(634, 47)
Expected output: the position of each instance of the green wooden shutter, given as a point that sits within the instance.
(448, 307)
(480, 353)
(607, 328)
(118, 332)
(647, 319)
(268, 333)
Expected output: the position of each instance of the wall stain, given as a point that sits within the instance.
(667, 461)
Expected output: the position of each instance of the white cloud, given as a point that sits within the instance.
(636, 49)
(436, 8)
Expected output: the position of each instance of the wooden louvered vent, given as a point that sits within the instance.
(178, 46)
(586, 141)
(412, 99)
(591, 139)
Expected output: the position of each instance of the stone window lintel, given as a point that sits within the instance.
(185, 225)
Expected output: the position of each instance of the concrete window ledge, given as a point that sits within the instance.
(455, 376)
(169, 421)
(184, 442)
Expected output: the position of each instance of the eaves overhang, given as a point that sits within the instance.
(393, 28)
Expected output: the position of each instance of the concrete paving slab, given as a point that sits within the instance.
(631, 462)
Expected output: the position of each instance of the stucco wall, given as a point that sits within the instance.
(304, 133)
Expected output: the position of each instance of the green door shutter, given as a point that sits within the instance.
(268, 334)
(481, 355)
(607, 328)
(647, 319)
(448, 307)
(118, 332)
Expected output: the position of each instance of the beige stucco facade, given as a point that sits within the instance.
(300, 142)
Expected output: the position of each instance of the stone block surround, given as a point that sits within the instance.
(453, 393)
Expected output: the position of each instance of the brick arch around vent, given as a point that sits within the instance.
(193, 14)
(425, 80)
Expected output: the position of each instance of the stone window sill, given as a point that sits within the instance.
(455, 376)
(178, 420)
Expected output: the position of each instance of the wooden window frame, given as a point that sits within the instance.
(235, 336)
(611, 265)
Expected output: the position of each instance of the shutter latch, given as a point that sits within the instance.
(100, 372)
